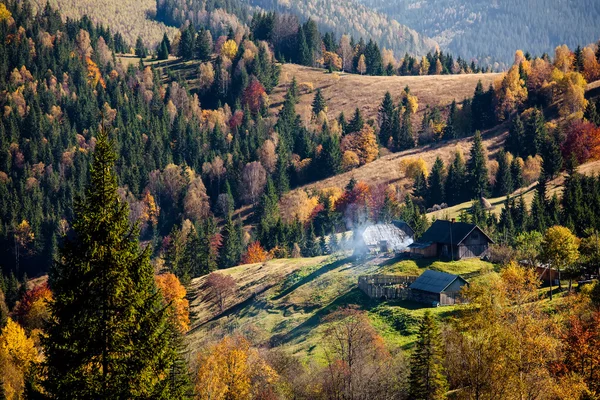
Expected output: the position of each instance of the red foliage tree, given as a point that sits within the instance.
(253, 95)
(583, 140)
(32, 310)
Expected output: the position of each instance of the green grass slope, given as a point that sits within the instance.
(283, 302)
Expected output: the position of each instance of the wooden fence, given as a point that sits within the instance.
(386, 286)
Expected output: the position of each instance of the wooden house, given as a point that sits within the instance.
(451, 240)
(437, 288)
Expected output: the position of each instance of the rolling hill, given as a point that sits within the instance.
(492, 30)
(345, 92)
(283, 302)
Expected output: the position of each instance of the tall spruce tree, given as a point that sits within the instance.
(435, 183)
(450, 129)
(406, 138)
(386, 119)
(231, 249)
(515, 140)
(319, 104)
(109, 337)
(357, 122)
(427, 380)
(456, 180)
(477, 169)
(504, 182)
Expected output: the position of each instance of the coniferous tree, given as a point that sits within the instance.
(318, 103)
(504, 182)
(231, 248)
(311, 246)
(516, 136)
(406, 139)
(420, 186)
(435, 183)
(140, 49)
(386, 119)
(516, 172)
(552, 160)
(477, 169)
(162, 51)
(357, 122)
(204, 45)
(106, 311)
(456, 180)
(332, 155)
(427, 380)
(449, 129)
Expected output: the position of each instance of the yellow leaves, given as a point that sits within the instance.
(363, 144)
(350, 160)
(17, 354)
(4, 13)
(411, 167)
(362, 64)
(563, 58)
(297, 205)
(229, 49)
(510, 92)
(94, 75)
(174, 294)
(332, 60)
(151, 209)
(232, 370)
(560, 247)
(412, 102)
(24, 234)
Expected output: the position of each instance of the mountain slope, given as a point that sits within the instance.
(351, 17)
(132, 18)
(482, 28)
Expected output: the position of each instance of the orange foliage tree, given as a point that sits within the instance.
(255, 254)
(32, 310)
(174, 294)
(354, 203)
(232, 370)
(94, 75)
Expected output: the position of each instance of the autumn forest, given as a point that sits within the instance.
(186, 192)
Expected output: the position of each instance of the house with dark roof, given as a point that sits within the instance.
(384, 238)
(451, 240)
(439, 288)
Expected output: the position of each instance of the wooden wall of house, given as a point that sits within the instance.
(427, 252)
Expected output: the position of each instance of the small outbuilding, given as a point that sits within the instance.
(384, 238)
(439, 288)
(453, 240)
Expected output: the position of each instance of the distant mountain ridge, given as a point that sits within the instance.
(492, 30)
(352, 17)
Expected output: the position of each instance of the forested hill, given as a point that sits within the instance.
(495, 29)
(351, 17)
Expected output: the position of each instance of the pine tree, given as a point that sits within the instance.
(538, 219)
(449, 129)
(427, 380)
(318, 104)
(304, 53)
(162, 52)
(504, 182)
(357, 122)
(311, 246)
(332, 154)
(231, 248)
(406, 139)
(204, 45)
(552, 160)
(420, 186)
(386, 119)
(517, 174)
(106, 310)
(515, 140)
(456, 180)
(140, 49)
(477, 169)
(435, 183)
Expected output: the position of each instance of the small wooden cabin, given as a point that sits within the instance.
(439, 288)
(451, 240)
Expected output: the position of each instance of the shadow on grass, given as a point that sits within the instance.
(354, 297)
(313, 275)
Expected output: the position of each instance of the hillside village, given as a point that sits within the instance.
(248, 200)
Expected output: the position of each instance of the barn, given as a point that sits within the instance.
(439, 288)
(384, 238)
(452, 240)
